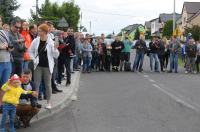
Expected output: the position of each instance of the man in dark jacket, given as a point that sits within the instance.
(154, 47)
(72, 43)
(117, 47)
(141, 49)
(161, 53)
(19, 47)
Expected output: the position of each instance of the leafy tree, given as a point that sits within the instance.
(195, 31)
(54, 12)
(7, 7)
(137, 34)
(168, 29)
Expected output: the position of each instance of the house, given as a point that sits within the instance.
(155, 26)
(190, 14)
(147, 26)
(163, 18)
(131, 30)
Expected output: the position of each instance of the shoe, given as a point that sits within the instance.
(57, 90)
(169, 71)
(74, 98)
(186, 72)
(54, 92)
(68, 83)
(39, 97)
(48, 106)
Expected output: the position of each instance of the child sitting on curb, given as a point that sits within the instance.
(10, 100)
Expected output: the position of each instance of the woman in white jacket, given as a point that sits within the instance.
(42, 52)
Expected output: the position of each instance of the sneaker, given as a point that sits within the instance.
(48, 106)
(186, 72)
(74, 98)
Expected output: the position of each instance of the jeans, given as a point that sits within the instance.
(139, 58)
(61, 63)
(5, 72)
(42, 88)
(87, 64)
(72, 65)
(190, 67)
(17, 67)
(26, 65)
(174, 61)
(155, 57)
(8, 109)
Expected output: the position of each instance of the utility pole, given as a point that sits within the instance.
(174, 16)
(37, 8)
(90, 27)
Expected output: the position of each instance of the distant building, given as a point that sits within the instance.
(190, 14)
(131, 30)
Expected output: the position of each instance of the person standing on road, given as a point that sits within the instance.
(191, 51)
(126, 52)
(167, 52)
(64, 59)
(19, 47)
(117, 47)
(161, 53)
(154, 47)
(42, 52)
(72, 42)
(141, 49)
(174, 47)
(87, 55)
(101, 51)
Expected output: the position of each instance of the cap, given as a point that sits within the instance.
(15, 77)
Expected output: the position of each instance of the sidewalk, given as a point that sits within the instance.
(59, 100)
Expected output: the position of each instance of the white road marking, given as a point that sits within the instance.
(146, 76)
(151, 80)
(176, 98)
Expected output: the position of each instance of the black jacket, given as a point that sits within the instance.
(140, 46)
(72, 42)
(117, 47)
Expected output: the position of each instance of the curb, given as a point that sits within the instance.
(67, 100)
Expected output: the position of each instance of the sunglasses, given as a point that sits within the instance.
(17, 27)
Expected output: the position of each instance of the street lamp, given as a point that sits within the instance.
(174, 16)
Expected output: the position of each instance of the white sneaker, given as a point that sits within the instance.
(48, 106)
(186, 72)
(74, 98)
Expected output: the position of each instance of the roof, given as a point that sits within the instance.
(134, 27)
(148, 24)
(192, 7)
(194, 16)
(166, 17)
(63, 23)
(154, 19)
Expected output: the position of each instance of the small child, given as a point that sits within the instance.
(10, 100)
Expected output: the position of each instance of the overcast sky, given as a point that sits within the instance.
(107, 16)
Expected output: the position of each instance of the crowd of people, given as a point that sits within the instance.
(34, 59)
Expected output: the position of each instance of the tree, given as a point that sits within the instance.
(7, 7)
(137, 34)
(168, 29)
(54, 12)
(195, 31)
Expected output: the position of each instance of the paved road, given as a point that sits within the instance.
(130, 102)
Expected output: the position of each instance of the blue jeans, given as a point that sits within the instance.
(5, 72)
(87, 64)
(10, 110)
(139, 58)
(17, 67)
(174, 61)
(25, 65)
(155, 57)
